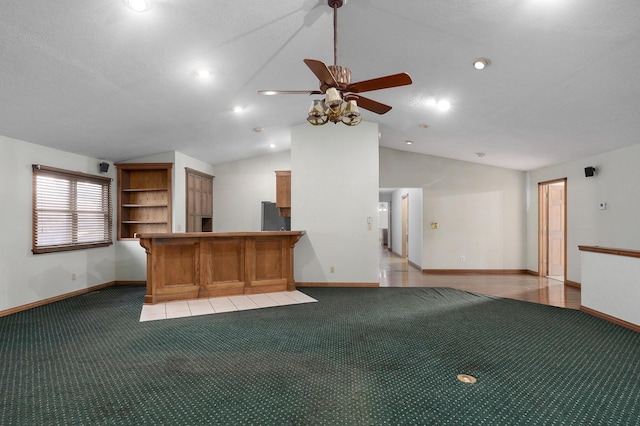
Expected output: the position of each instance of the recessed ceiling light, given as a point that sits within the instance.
(480, 154)
(273, 145)
(423, 126)
(237, 109)
(203, 73)
(409, 142)
(258, 129)
(481, 63)
(443, 105)
(138, 5)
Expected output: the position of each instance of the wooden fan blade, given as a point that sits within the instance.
(322, 72)
(386, 82)
(369, 104)
(289, 92)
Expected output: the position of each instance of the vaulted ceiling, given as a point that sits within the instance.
(99, 79)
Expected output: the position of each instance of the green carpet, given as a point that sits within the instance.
(384, 356)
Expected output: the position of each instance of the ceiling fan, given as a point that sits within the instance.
(341, 96)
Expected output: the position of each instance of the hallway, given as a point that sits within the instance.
(395, 272)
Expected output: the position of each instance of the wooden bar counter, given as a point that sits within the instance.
(209, 264)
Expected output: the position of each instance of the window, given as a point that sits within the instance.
(71, 210)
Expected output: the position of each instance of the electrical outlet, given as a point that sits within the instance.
(463, 259)
(73, 276)
(332, 269)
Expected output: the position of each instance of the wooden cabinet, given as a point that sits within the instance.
(199, 201)
(144, 199)
(283, 192)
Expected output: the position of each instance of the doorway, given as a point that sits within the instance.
(552, 229)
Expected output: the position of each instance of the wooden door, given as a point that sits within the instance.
(543, 217)
(556, 230)
(405, 226)
(552, 228)
(191, 203)
(199, 201)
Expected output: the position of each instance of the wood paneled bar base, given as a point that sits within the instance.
(210, 264)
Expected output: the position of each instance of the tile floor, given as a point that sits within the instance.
(217, 305)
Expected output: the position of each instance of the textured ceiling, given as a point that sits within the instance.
(98, 79)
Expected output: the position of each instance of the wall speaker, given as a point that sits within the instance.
(104, 167)
(589, 171)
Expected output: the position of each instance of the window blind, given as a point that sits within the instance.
(71, 210)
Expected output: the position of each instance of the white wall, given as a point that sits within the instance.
(480, 210)
(610, 285)
(240, 187)
(24, 277)
(334, 189)
(615, 183)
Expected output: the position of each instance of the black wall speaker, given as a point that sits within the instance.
(104, 167)
(589, 171)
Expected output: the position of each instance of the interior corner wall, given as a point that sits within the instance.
(334, 191)
(131, 260)
(480, 210)
(240, 187)
(615, 183)
(27, 278)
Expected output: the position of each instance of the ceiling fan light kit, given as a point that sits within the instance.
(351, 115)
(317, 117)
(334, 109)
(333, 99)
(340, 103)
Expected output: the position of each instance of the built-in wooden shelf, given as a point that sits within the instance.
(144, 199)
(142, 221)
(143, 189)
(144, 205)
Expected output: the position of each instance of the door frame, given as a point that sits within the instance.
(543, 229)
